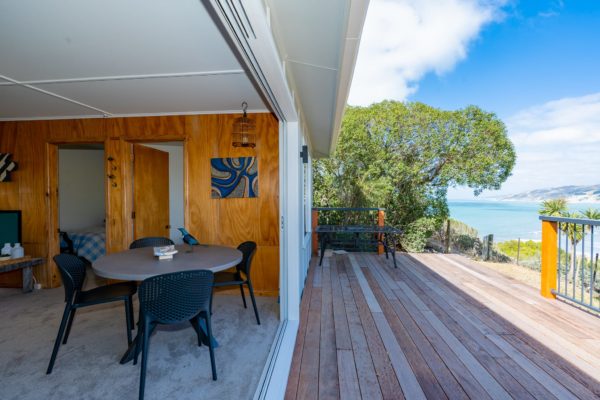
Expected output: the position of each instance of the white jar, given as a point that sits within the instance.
(6, 250)
(17, 251)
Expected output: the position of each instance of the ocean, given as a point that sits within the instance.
(505, 219)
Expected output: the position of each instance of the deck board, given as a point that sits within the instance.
(437, 327)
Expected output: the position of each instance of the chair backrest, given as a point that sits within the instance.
(72, 272)
(177, 296)
(68, 243)
(248, 249)
(150, 242)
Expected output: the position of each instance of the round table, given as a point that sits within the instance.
(139, 264)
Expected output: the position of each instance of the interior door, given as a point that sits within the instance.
(150, 192)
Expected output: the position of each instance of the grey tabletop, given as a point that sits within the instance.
(139, 264)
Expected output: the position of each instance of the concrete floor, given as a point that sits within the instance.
(87, 366)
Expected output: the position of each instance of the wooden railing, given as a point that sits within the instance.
(345, 216)
(570, 260)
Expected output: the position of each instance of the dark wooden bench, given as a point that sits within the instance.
(379, 234)
(25, 264)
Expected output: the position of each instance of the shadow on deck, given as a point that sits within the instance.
(437, 327)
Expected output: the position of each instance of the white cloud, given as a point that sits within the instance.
(405, 39)
(557, 144)
(567, 122)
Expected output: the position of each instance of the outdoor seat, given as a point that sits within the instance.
(241, 276)
(72, 272)
(170, 299)
(150, 242)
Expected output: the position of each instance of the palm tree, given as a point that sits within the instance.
(554, 207)
(592, 213)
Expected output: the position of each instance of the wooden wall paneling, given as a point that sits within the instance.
(265, 271)
(268, 169)
(9, 192)
(116, 222)
(228, 221)
(164, 128)
(32, 159)
(90, 130)
(200, 215)
(52, 202)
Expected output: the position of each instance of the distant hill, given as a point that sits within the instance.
(573, 194)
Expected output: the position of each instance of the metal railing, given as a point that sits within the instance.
(570, 247)
(349, 216)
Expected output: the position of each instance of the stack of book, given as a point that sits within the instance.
(165, 252)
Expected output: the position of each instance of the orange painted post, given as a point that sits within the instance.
(315, 238)
(549, 258)
(381, 223)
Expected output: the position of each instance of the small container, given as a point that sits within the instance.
(6, 250)
(17, 251)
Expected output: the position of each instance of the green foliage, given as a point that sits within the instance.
(404, 156)
(553, 207)
(416, 234)
(559, 208)
(529, 249)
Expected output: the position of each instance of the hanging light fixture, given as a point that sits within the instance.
(244, 130)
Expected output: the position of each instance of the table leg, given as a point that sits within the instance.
(27, 274)
(323, 245)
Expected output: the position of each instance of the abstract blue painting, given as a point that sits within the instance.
(234, 177)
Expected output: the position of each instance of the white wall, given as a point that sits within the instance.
(81, 188)
(176, 203)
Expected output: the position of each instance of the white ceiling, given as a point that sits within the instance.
(318, 41)
(90, 58)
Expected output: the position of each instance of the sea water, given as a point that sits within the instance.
(506, 220)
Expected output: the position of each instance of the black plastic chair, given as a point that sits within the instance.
(150, 242)
(171, 299)
(241, 275)
(72, 271)
(69, 248)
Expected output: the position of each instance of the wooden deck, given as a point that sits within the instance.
(437, 327)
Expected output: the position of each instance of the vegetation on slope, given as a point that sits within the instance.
(404, 156)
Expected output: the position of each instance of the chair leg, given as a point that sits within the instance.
(132, 320)
(210, 347)
(71, 318)
(196, 325)
(59, 336)
(243, 295)
(145, 346)
(128, 319)
(253, 300)
(140, 335)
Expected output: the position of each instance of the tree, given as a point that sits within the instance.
(554, 207)
(404, 157)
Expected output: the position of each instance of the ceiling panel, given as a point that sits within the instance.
(317, 94)
(41, 40)
(164, 95)
(310, 36)
(20, 102)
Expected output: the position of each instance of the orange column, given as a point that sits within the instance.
(549, 258)
(315, 238)
(381, 223)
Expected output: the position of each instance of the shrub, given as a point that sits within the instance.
(416, 234)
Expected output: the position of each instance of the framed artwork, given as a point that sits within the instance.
(234, 177)
(6, 166)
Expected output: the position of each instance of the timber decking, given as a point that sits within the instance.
(438, 326)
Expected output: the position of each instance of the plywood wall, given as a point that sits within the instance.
(225, 221)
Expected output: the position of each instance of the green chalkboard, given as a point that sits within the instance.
(10, 227)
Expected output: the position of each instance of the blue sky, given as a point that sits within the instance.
(536, 64)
